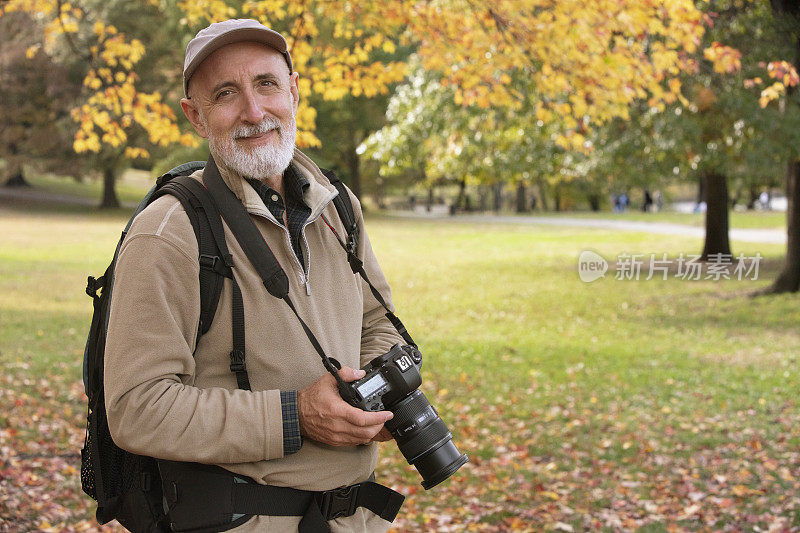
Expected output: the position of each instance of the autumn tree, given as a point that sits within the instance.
(346, 54)
(784, 90)
(429, 139)
(114, 119)
(37, 94)
(588, 61)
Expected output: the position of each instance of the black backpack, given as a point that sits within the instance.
(126, 486)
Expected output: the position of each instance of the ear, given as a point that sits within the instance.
(294, 88)
(191, 112)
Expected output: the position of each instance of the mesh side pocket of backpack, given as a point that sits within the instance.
(101, 459)
(87, 464)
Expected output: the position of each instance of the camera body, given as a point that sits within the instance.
(392, 383)
(390, 378)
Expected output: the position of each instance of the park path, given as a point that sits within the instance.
(761, 236)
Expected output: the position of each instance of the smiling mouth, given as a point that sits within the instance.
(256, 136)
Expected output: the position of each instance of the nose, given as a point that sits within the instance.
(252, 110)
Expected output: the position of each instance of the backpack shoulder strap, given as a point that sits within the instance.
(214, 257)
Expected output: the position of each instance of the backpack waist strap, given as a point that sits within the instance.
(209, 498)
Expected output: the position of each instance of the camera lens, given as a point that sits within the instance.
(424, 440)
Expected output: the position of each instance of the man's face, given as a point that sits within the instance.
(243, 99)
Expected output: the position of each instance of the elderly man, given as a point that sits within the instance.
(171, 394)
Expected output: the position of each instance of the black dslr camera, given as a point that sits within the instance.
(391, 384)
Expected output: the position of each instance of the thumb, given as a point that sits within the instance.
(351, 374)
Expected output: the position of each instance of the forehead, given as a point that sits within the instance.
(238, 62)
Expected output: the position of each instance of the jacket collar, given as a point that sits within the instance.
(317, 196)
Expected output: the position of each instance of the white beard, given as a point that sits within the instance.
(262, 162)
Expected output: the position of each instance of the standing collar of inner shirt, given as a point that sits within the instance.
(294, 185)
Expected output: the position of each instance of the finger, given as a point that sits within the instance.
(351, 374)
(347, 434)
(357, 417)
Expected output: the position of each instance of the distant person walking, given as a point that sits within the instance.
(763, 199)
(648, 202)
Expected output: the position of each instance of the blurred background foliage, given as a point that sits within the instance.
(508, 104)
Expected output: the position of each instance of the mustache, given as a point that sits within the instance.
(266, 125)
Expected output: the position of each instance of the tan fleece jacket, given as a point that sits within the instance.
(170, 399)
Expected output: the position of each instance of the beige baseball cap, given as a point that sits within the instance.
(230, 31)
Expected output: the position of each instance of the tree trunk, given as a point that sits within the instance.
(789, 278)
(380, 197)
(110, 199)
(14, 168)
(542, 196)
(497, 188)
(483, 198)
(715, 187)
(701, 189)
(17, 180)
(429, 205)
(354, 166)
(751, 203)
(557, 199)
(594, 202)
(460, 200)
(522, 197)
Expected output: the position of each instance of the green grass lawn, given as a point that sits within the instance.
(614, 405)
(130, 189)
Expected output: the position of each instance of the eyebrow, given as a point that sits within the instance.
(259, 77)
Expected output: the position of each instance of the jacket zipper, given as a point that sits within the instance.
(304, 273)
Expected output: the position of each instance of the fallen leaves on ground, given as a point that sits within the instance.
(556, 458)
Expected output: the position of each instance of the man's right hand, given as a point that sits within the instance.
(326, 418)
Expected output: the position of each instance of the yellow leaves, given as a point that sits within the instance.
(773, 92)
(749, 84)
(743, 491)
(783, 72)
(133, 153)
(117, 51)
(306, 139)
(200, 11)
(266, 11)
(724, 58)
(187, 139)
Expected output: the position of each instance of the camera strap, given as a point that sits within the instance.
(357, 266)
(257, 251)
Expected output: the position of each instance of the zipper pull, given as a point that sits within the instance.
(308, 288)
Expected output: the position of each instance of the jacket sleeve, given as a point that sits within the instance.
(152, 406)
(378, 335)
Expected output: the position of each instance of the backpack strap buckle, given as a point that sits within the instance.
(352, 240)
(338, 502)
(94, 284)
(216, 264)
(237, 361)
